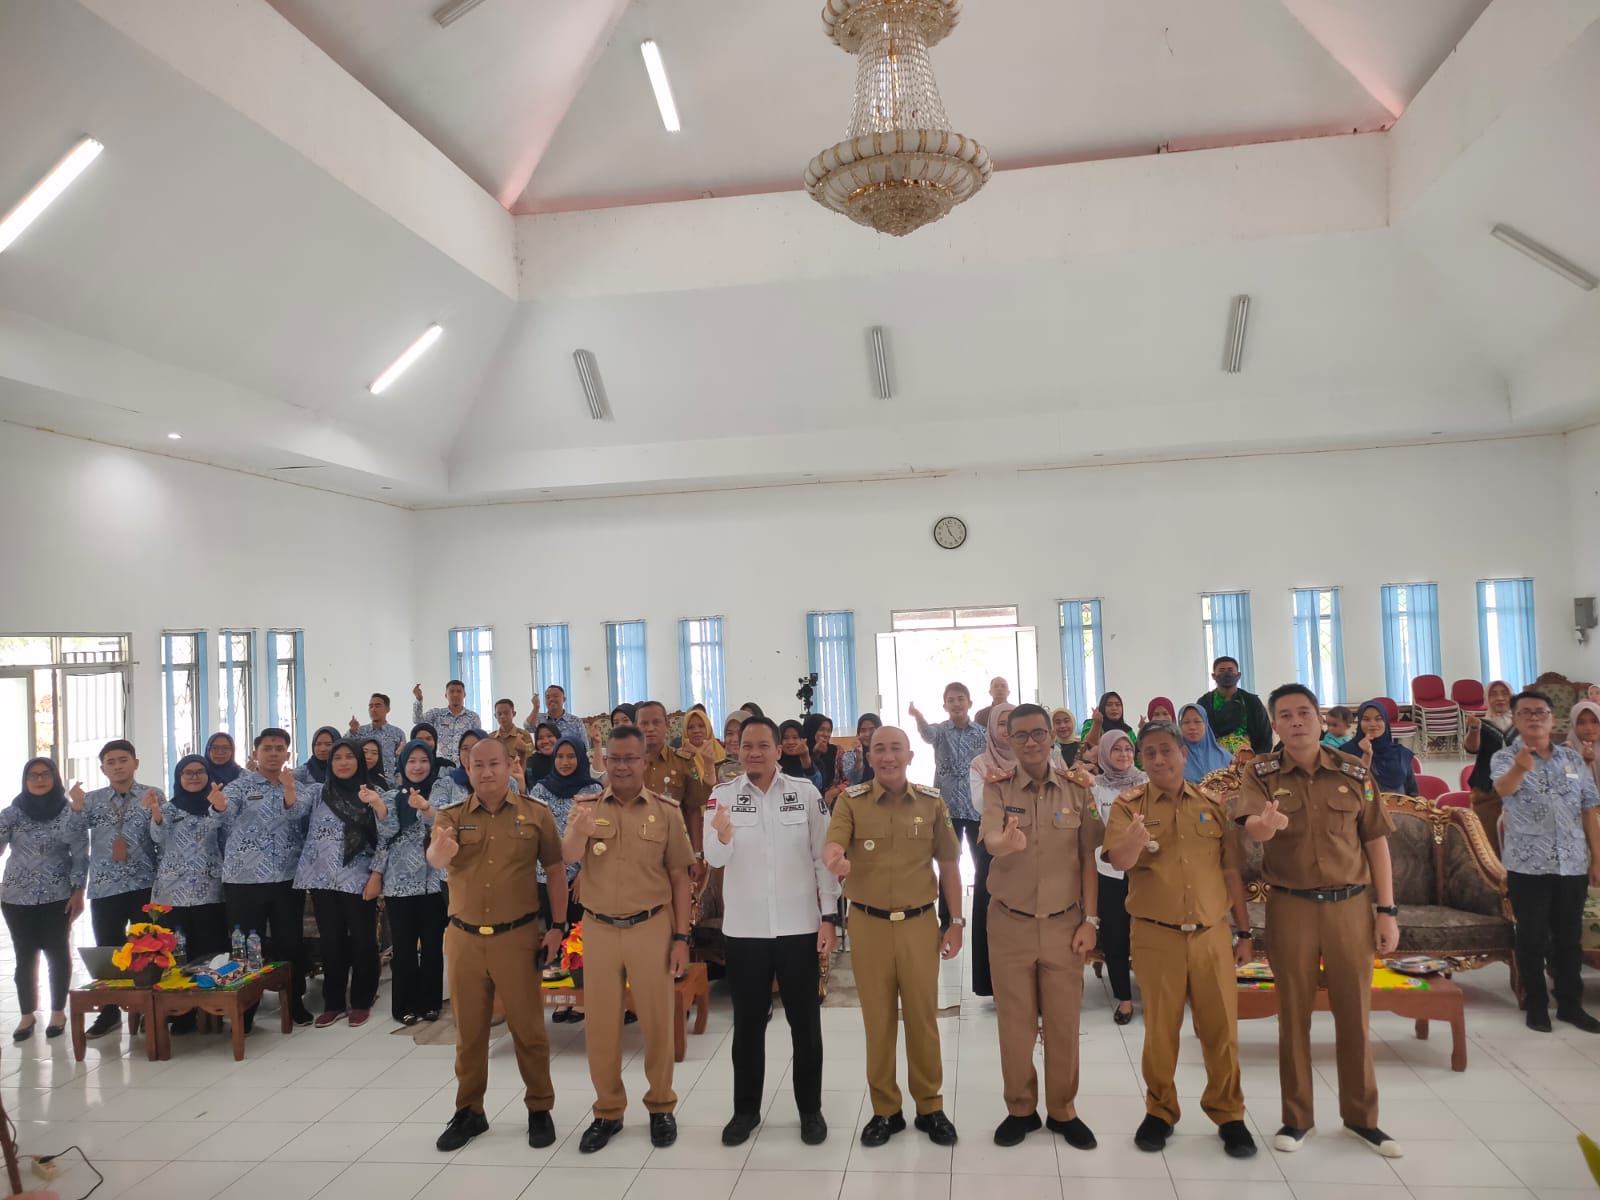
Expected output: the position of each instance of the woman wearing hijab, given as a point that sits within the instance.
(546, 736)
(852, 765)
(187, 830)
(818, 732)
(1205, 752)
(372, 755)
(1393, 767)
(708, 752)
(455, 785)
(41, 893)
(730, 768)
(1583, 733)
(1117, 775)
(1107, 718)
(1064, 727)
(315, 768)
(1159, 709)
(424, 731)
(569, 780)
(413, 895)
(349, 821)
(997, 759)
(794, 758)
(1486, 736)
(219, 759)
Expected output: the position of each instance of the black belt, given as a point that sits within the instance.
(491, 930)
(889, 914)
(638, 918)
(1328, 895)
(1178, 928)
(1017, 912)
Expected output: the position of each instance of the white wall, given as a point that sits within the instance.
(1147, 538)
(105, 540)
(1583, 489)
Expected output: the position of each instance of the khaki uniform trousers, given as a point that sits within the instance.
(480, 967)
(638, 956)
(1174, 967)
(1036, 975)
(896, 965)
(1340, 933)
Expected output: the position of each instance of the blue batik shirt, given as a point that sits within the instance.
(189, 866)
(1544, 816)
(111, 814)
(447, 725)
(953, 752)
(49, 860)
(263, 838)
(402, 858)
(391, 736)
(322, 862)
(561, 809)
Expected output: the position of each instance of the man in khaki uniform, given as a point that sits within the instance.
(671, 772)
(1181, 854)
(883, 839)
(491, 845)
(516, 740)
(1042, 828)
(636, 857)
(1325, 854)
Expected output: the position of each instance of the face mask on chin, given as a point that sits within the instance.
(1227, 679)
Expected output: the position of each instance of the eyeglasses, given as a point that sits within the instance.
(625, 760)
(1031, 735)
(1534, 714)
(41, 774)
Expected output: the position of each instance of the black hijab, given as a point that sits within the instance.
(223, 773)
(541, 765)
(459, 775)
(824, 760)
(404, 813)
(375, 775)
(45, 808)
(790, 764)
(196, 804)
(316, 767)
(1106, 723)
(565, 787)
(867, 773)
(343, 798)
(434, 734)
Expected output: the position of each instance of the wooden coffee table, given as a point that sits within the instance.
(1441, 1000)
(138, 1003)
(229, 1002)
(693, 990)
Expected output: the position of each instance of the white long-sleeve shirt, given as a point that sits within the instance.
(773, 883)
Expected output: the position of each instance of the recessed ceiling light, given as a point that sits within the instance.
(175, 437)
(658, 81)
(44, 193)
(400, 365)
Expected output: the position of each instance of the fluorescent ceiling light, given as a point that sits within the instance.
(1233, 346)
(175, 437)
(448, 14)
(47, 189)
(663, 89)
(400, 365)
(1546, 257)
(594, 389)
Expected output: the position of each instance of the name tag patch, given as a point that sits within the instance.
(744, 804)
(791, 803)
(1015, 808)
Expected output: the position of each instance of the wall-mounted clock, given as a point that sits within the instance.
(950, 532)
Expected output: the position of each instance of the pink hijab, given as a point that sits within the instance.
(1575, 744)
(997, 757)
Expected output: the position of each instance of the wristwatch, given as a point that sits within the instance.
(1246, 936)
(958, 922)
(831, 919)
(1389, 910)
(1095, 921)
(680, 937)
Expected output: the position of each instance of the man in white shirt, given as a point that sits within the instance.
(767, 831)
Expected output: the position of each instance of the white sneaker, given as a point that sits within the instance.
(1289, 1139)
(1379, 1141)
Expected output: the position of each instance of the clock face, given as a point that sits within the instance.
(950, 532)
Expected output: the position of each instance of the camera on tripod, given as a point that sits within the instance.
(807, 692)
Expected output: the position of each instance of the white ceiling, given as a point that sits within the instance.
(260, 239)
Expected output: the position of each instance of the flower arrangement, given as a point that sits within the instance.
(572, 949)
(150, 948)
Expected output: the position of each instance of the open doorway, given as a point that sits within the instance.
(929, 648)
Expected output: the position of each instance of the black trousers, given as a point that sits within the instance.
(417, 924)
(752, 963)
(36, 929)
(977, 939)
(1115, 933)
(347, 928)
(1549, 914)
(277, 912)
(205, 928)
(111, 916)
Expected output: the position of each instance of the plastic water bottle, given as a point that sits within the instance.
(181, 950)
(236, 945)
(252, 960)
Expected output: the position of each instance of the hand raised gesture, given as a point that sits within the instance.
(444, 841)
(1272, 818)
(834, 859)
(286, 777)
(416, 693)
(722, 823)
(915, 713)
(76, 795)
(355, 725)
(217, 798)
(152, 804)
(369, 796)
(581, 820)
(1138, 835)
(417, 800)
(1525, 759)
(1012, 839)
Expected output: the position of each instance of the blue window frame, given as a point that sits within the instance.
(1319, 643)
(701, 671)
(472, 662)
(185, 693)
(1225, 618)
(627, 676)
(1410, 636)
(550, 657)
(1506, 645)
(831, 653)
(236, 668)
(286, 685)
(1083, 667)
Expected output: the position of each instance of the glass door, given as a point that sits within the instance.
(16, 727)
(96, 712)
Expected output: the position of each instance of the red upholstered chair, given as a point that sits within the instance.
(1439, 716)
(1431, 787)
(1403, 731)
(1466, 776)
(1454, 799)
(1468, 695)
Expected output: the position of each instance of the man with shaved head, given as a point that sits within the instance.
(884, 839)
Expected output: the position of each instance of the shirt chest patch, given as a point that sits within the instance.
(1015, 808)
(744, 804)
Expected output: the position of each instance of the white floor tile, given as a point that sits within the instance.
(1220, 1189)
(1012, 1187)
(779, 1148)
(977, 1154)
(652, 1184)
(161, 1141)
(1540, 1165)
(591, 1183)
(282, 1181)
(392, 1181)
(414, 1143)
(192, 1181)
(457, 1181)
(329, 1142)
(1452, 1164)
(1111, 1159)
(1201, 1156)
(76, 1178)
(788, 1185)
(246, 1142)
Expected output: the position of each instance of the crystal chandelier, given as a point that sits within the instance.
(899, 167)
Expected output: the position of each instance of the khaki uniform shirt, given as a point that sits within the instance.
(675, 773)
(892, 842)
(1333, 811)
(1061, 823)
(1180, 882)
(632, 853)
(517, 741)
(493, 878)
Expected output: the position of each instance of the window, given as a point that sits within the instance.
(185, 694)
(626, 677)
(701, 678)
(286, 686)
(1083, 667)
(1319, 643)
(472, 662)
(831, 653)
(550, 658)
(1505, 631)
(986, 617)
(236, 661)
(1225, 616)
(1410, 636)
(62, 696)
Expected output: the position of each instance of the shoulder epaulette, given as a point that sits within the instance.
(685, 752)
(1354, 769)
(858, 789)
(923, 789)
(1074, 775)
(1136, 792)
(1000, 776)
(1267, 766)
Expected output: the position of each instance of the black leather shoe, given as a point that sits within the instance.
(878, 1130)
(1152, 1134)
(301, 1015)
(1012, 1130)
(938, 1128)
(600, 1132)
(1580, 1020)
(663, 1129)
(737, 1131)
(463, 1127)
(1122, 1018)
(1539, 1022)
(109, 1021)
(1236, 1139)
(431, 1015)
(1079, 1136)
(541, 1130)
(630, 1017)
(813, 1129)
(21, 1034)
(54, 1031)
